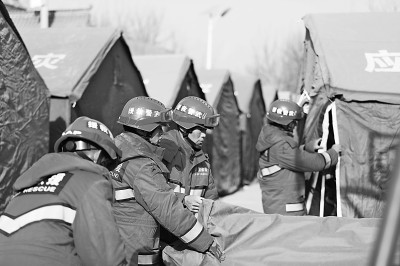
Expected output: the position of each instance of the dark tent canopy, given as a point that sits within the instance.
(89, 72)
(352, 73)
(223, 145)
(24, 109)
(251, 102)
(169, 78)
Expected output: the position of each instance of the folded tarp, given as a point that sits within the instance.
(252, 238)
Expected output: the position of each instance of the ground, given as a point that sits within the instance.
(248, 197)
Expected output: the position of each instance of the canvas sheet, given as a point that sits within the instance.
(251, 238)
(369, 134)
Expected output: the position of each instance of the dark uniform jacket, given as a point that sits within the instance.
(190, 169)
(282, 165)
(144, 200)
(61, 215)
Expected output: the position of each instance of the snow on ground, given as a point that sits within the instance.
(248, 197)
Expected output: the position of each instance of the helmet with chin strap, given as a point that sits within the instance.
(192, 111)
(283, 112)
(144, 113)
(88, 134)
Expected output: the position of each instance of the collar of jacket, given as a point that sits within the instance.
(193, 156)
(133, 145)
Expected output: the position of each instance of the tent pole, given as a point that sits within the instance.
(314, 178)
(324, 141)
(322, 201)
(337, 169)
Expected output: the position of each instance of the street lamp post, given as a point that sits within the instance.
(44, 14)
(211, 18)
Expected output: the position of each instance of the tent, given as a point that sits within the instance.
(251, 103)
(169, 77)
(89, 72)
(24, 109)
(351, 71)
(224, 144)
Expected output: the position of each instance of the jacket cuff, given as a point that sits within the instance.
(334, 156)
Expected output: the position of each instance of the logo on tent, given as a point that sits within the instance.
(48, 61)
(383, 61)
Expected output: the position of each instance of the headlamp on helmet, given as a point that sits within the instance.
(77, 145)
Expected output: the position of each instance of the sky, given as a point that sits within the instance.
(244, 30)
(241, 35)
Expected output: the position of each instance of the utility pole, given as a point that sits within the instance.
(44, 14)
(212, 15)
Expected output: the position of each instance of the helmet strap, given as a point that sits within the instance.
(83, 155)
(185, 133)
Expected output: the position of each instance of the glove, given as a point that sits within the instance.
(304, 98)
(337, 148)
(193, 202)
(216, 250)
(313, 146)
(318, 144)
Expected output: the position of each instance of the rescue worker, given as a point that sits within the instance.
(144, 200)
(283, 163)
(190, 168)
(61, 213)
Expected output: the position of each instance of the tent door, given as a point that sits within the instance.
(325, 185)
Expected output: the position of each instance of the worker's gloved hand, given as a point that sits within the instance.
(317, 144)
(193, 202)
(304, 99)
(337, 148)
(216, 250)
(313, 145)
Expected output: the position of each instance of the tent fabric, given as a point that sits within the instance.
(71, 53)
(249, 94)
(358, 53)
(169, 78)
(371, 155)
(224, 144)
(24, 109)
(365, 120)
(252, 238)
(89, 71)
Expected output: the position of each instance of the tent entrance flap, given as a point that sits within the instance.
(326, 184)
